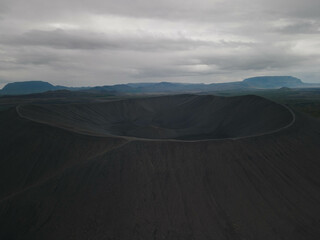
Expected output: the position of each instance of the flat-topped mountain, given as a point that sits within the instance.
(27, 87)
(273, 82)
(30, 87)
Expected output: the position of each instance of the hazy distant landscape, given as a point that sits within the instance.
(304, 97)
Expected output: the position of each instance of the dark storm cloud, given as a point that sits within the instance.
(101, 42)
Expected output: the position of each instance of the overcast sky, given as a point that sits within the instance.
(101, 42)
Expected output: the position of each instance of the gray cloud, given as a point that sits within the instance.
(102, 42)
(58, 39)
(256, 60)
(84, 40)
(300, 28)
(200, 10)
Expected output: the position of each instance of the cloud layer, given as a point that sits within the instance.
(98, 42)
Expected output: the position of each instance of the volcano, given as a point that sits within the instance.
(169, 167)
(173, 117)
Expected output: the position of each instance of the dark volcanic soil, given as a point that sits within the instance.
(59, 183)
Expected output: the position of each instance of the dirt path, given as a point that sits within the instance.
(62, 171)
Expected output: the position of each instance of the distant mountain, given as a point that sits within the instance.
(273, 82)
(170, 87)
(263, 82)
(26, 87)
(29, 87)
(167, 87)
(118, 88)
(160, 87)
(266, 82)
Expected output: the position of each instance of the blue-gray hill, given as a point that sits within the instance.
(27, 87)
(273, 82)
(265, 82)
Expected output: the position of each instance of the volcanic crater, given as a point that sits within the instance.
(180, 117)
